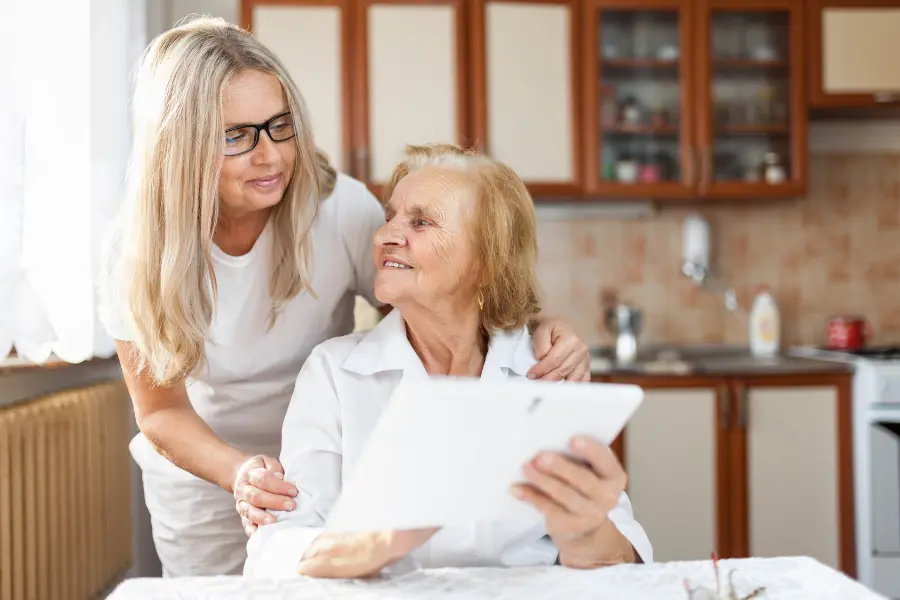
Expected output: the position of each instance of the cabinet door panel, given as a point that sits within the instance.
(529, 89)
(751, 76)
(792, 473)
(856, 63)
(310, 40)
(639, 112)
(412, 70)
(848, 69)
(670, 453)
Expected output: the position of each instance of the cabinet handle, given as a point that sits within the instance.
(724, 407)
(363, 164)
(706, 169)
(691, 167)
(742, 407)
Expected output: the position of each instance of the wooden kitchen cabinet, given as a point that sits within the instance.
(411, 86)
(312, 38)
(639, 117)
(377, 74)
(854, 53)
(744, 466)
(524, 58)
(694, 98)
(752, 125)
(791, 446)
(670, 451)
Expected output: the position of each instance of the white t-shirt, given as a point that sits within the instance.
(244, 390)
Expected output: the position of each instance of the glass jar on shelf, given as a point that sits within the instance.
(773, 170)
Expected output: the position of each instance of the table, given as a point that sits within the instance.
(794, 578)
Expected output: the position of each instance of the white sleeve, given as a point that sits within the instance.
(311, 457)
(622, 517)
(361, 216)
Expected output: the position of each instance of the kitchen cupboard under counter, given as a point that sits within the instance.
(752, 460)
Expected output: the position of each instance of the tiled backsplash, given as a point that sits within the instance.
(835, 251)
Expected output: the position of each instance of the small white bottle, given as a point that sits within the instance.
(765, 324)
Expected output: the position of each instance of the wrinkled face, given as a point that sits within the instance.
(257, 179)
(425, 252)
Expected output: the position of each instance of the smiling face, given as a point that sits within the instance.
(425, 252)
(257, 179)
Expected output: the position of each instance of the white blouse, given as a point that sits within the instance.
(339, 394)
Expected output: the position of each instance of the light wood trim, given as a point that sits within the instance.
(478, 78)
(246, 11)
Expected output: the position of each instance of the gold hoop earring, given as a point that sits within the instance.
(480, 300)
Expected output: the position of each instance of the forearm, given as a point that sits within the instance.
(605, 547)
(182, 437)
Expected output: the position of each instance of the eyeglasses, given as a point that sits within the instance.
(243, 139)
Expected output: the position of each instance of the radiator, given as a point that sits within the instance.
(65, 499)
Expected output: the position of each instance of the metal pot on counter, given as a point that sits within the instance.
(624, 322)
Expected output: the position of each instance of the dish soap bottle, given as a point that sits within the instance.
(765, 324)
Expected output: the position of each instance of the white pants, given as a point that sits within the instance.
(196, 529)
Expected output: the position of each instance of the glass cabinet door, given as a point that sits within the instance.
(638, 93)
(753, 132)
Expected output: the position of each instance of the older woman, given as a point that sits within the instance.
(239, 250)
(455, 257)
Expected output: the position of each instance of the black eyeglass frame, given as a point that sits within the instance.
(262, 127)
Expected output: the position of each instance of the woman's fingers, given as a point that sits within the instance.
(262, 499)
(256, 516)
(271, 481)
(249, 528)
(601, 459)
(556, 516)
(556, 490)
(580, 477)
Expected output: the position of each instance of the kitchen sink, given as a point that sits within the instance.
(700, 359)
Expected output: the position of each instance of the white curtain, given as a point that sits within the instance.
(65, 87)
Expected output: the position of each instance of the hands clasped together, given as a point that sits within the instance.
(575, 499)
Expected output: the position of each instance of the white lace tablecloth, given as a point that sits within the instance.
(784, 578)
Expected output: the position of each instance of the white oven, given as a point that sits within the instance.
(876, 464)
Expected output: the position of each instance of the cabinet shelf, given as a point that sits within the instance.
(619, 129)
(639, 63)
(749, 63)
(753, 130)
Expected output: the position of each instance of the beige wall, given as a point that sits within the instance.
(835, 251)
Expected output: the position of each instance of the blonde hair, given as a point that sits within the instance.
(505, 231)
(172, 191)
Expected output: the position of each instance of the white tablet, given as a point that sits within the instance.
(446, 450)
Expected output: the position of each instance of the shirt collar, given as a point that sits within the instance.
(386, 348)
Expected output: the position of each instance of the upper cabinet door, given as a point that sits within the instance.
(753, 128)
(524, 58)
(855, 52)
(410, 85)
(310, 38)
(639, 109)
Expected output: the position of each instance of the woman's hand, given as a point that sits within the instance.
(561, 353)
(259, 484)
(348, 555)
(576, 499)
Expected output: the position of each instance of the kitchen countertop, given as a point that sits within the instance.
(712, 361)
